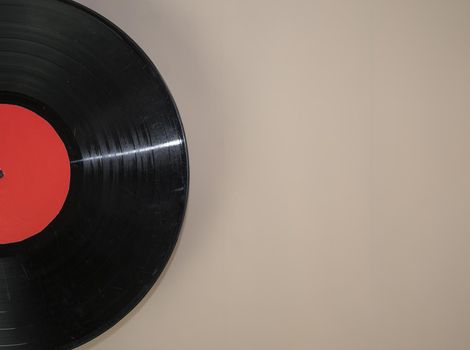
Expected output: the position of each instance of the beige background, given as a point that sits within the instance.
(330, 194)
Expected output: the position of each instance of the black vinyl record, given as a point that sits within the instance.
(128, 188)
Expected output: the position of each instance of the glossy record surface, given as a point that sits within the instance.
(129, 174)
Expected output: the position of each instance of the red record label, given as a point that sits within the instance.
(34, 174)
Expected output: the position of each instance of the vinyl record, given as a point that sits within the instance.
(93, 174)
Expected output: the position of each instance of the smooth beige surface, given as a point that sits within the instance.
(330, 195)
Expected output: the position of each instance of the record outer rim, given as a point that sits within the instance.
(128, 308)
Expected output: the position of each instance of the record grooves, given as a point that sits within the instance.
(128, 174)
